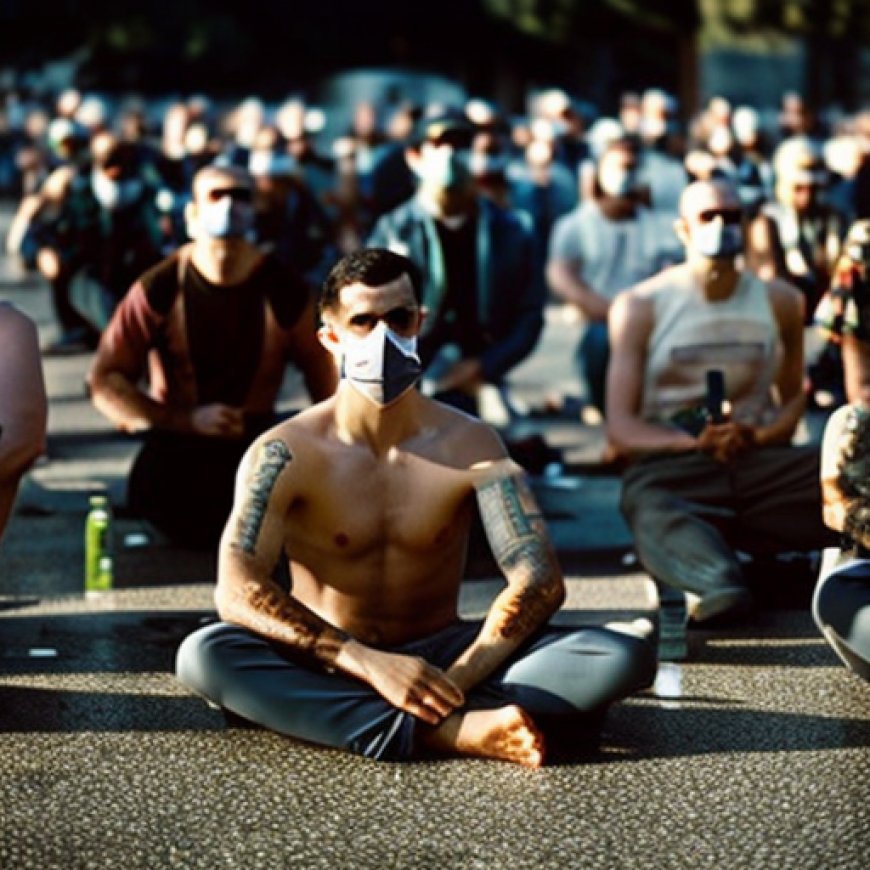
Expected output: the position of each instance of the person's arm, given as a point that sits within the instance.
(117, 370)
(629, 326)
(120, 363)
(788, 308)
(311, 357)
(566, 282)
(761, 247)
(856, 369)
(271, 476)
(23, 405)
(521, 546)
(835, 440)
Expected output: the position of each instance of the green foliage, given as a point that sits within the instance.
(561, 20)
(833, 19)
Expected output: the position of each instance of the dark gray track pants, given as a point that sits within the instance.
(688, 513)
(561, 672)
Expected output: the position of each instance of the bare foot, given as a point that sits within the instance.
(507, 734)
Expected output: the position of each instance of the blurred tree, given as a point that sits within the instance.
(832, 31)
(671, 24)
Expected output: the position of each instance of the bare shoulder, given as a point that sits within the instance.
(633, 310)
(463, 441)
(290, 449)
(786, 300)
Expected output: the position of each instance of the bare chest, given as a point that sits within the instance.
(357, 507)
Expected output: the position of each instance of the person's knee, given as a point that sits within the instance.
(632, 662)
(198, 658)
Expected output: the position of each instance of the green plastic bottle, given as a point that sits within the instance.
(98, 545)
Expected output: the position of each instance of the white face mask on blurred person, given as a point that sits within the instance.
(481, 164)
(718, 240)
(381, 365)
(616, 181)
(225, 219)
(271, 164)
(443, 168)
(112, 194)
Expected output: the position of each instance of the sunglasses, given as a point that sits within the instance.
(398, 319)
(236, 194)
(454, 138)
(728, 215)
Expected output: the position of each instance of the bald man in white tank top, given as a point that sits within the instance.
(705, 391)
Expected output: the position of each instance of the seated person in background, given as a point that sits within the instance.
(797, 236)
(215, 323)
(484, 306)
(841, 604)
(369, 495)
(605, 245)
(23, 406)
(108, 232)
(843, 315)
(704, 478)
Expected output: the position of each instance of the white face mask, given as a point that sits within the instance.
(718, 240)
(270, 164)
(381, 365)
(443, 167)
(224, 219)
(111, 194)
(480, 163)
(616, 182)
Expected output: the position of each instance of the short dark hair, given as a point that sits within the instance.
(373, 267)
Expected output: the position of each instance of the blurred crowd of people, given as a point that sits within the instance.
(122, 211)
(104, 186)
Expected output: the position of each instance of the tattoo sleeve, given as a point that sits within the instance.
(271, 459)
(300, 628)
(518, 537)
(257, 602)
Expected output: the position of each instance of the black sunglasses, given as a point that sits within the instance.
(398, 319)
(237, 194)
(458, 139)
(728, 215)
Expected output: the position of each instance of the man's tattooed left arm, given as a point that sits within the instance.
(518, 537)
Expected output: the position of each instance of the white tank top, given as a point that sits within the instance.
(739, 336)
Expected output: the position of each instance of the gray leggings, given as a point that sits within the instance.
(841, 608)
(561, 672)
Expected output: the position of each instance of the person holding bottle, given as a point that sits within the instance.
(697, 489)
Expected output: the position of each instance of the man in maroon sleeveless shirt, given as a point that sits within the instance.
(214, 325)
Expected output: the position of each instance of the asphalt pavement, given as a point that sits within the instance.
(755, 752)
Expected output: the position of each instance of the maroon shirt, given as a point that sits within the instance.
(203, 343)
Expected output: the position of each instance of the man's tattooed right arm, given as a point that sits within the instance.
(270, 461)
(246, 593)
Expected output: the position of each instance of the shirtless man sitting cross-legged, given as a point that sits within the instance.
(369, 495)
